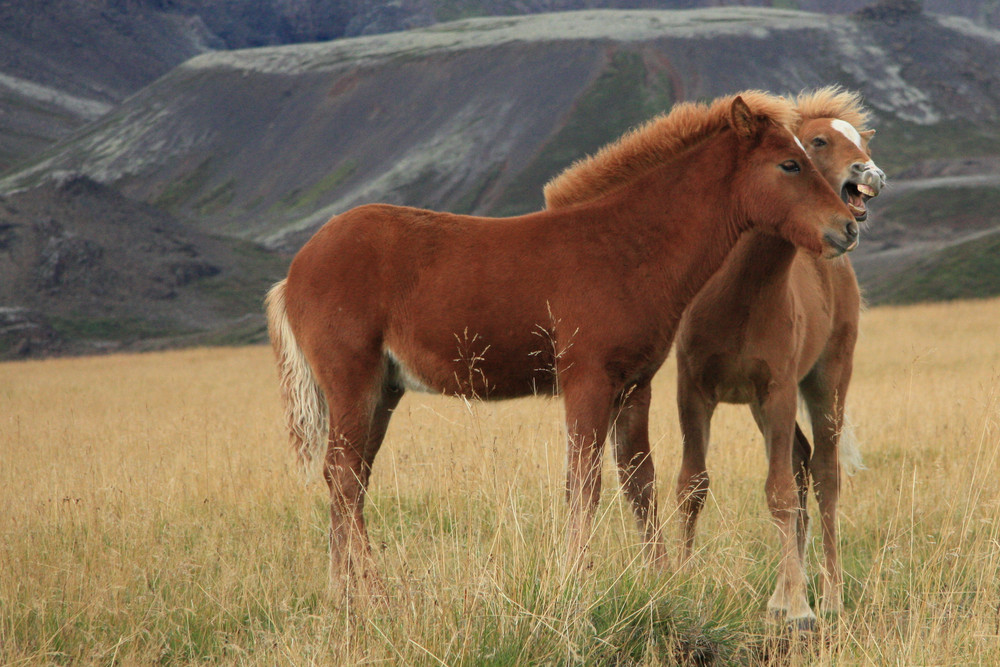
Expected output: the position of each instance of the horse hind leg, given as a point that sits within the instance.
(358, 423)
(630, 436)
(801, 454)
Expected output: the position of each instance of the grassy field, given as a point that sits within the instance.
(150, 512)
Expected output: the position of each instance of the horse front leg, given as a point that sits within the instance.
(825, 392)
(776, 418)
(630, 436)
(588, 415)
(695, 413)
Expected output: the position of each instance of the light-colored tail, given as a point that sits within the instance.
(851, 460)
(850, 451)
(305, 404)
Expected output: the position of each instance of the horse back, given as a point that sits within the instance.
(462, 305)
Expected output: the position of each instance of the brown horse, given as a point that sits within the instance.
(583, 302)
(770, 318)
(774, 323)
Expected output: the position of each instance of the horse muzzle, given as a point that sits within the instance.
(838, 244)
(865, 182)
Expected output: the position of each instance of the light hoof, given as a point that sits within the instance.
(803, 625)
(806, 625)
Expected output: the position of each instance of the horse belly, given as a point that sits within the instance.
(467, 363)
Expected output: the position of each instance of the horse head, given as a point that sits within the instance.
(841, 153)
(785, 194)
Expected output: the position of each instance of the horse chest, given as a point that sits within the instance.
(736, 379)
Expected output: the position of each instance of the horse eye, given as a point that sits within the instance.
(790, 166)
(819, 142)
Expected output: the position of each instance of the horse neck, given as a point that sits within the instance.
(759, 262)
(689, 237)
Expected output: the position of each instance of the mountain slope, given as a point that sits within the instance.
(83, 269)
(475, 115)
(964, 269)
(65, 63)
(144, 224)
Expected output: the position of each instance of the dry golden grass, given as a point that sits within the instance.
(151, 512)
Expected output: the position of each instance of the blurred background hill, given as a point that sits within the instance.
(161, 159)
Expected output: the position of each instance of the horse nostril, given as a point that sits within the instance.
(859, 167)
(851, 231)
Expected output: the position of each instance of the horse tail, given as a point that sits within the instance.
(850, 451)
(851, 461)
(305, 404)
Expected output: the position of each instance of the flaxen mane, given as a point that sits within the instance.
(834, 102)
(647, 146)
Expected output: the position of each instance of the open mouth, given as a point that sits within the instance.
(856, 196)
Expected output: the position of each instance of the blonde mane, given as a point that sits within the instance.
(834, 102)
(659, 139)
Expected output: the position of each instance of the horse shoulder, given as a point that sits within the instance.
(849, 302)
(839, 290)
(831, 302)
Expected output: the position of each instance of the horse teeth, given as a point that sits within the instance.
(866, 190)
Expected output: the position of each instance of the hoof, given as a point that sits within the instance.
(806, 625)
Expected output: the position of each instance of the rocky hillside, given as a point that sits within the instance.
(475, 115)
(64, 63)
(84, 269)
(238, 148)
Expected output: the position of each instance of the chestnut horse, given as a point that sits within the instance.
(375, 302)
(774, 324)
(760, 325)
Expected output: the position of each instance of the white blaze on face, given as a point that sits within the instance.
(853, 136)
(799, 143)
(848, 131)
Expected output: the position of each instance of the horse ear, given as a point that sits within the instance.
(867, 135)
(742, 119)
